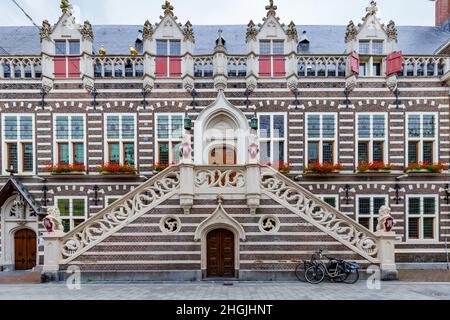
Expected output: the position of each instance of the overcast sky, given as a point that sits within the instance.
(403, 12)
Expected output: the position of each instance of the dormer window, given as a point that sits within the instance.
(168, 58)
(271, 60)
(368, 47)
(67, 47)
(67, 63)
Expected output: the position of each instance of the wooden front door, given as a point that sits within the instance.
(25, 249)
(220, 253)
(222, 156)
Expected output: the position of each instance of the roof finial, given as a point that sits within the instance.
(372, 9)
(168, 8)
(66, 7)
(220, 199)
(271, 9)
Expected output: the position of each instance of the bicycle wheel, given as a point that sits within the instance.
(351, 277)
(300, 271)
(315, 274)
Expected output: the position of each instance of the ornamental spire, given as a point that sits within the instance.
(66, 7)
(168, 8)
(372, 9)
(271, 9)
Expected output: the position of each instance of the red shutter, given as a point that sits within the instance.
(394, 63)
(354, 62)
(279, 66)
(73, 67)
(265, 66)
(161, 67)
(175, 67)
(60, 67)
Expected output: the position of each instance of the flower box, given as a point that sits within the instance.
(323, 169)
(374, 167)
(425, 167)
(157, 168)
(282, 167)
(117, 169)
(66, 169)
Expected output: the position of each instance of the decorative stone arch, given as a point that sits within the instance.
(220, 219)
(219, 112)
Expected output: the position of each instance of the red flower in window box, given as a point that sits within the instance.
(374, 166)
(426, 166)
(115, 168)
(283, 167)
(61, 168)
(158, 167)
(324, 168)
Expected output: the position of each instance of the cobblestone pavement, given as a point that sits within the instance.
(219, 291)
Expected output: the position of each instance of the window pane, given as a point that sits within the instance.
(278, 47)
(163, 127)
(313, 154)
(364, 126)
(175, 47)
(278, 126)
(78, 153)
(177, 127)
(78, 209)
(264, 125)
(264, 47)
(377, 204)
(278, 149)
(365, 222)
(27, 157)
(164, 153)
(377, 47)
(412, 152)
(428, 228)
(77, 222)
(77, 128)
(12, 156)
(128, 127)
(378, 152)
(265, 152)
(428, 152)
(414, 206)
(26, 128)
(364, 47)
(63, 149)
(60, 47)
(63, 206)
(363, 152)
(429, 206)
(362, 69)
(327, 152)
(414, 125)
(413, 228)
(161, 47)
(176, 152)
(128, 149)
(331, 201)
(10, 128)
(74, 47)
(376, 69)
(364, 206)
(328, 126)
(428, 126)
(62, 127)
(314, 126)
(110, 201)
(113, 127)
(114, 156)
(378, 126)
(66, 225)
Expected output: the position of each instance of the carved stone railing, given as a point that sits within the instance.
(118, 66)
(237, 66)
(119, 214)
(320, 214)
(207, 177)
(424, 66)
(321, 66)
(20, 67)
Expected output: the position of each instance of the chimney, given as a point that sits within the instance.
(442, 13)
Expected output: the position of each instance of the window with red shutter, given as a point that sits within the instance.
(175, 67)
(265, 66)
(73, 67)
(60, 67)
(394, 63)
(161, 67)
(354, 62)
(279, 66)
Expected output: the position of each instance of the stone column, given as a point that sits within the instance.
(52, 251)
(253, 187)
(386, 255)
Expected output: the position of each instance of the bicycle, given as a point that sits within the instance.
(301, 268)
(336, 270)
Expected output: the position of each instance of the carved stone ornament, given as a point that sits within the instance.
(292, 31)
(188, 84)
(220, 82)
(86, 31)
(351, 82)
(391, 82)
(47, 84)
(66, 7)
(88, 84)
(168, 8)
(271, 9)
(372, 9)
(351, 32)
(269, 224)
(170, 224)
(252, 83)
(186, 148)
(46, 30)
(149, 84)
(188, 32)
(252, 32)
(52, 221)
(147, 32)
(391, 31)
(385, 220)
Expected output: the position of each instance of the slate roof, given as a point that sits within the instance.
(324, 39)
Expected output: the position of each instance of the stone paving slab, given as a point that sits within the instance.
(237, 291)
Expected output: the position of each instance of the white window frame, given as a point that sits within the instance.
(371, 41)
(371, 138)
(272, 137)
(372, 207)
(68, 54)
(70, 141)
(334, 196)
(271, 54)
(421, 217)
(422, 139)
(321, 139)
(169, 140)
(19, 141)
(71, 217)
(120, 140)
(169, 53)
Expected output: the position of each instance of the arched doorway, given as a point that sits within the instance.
(220, 253)
(222, 155)
(25, 249)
